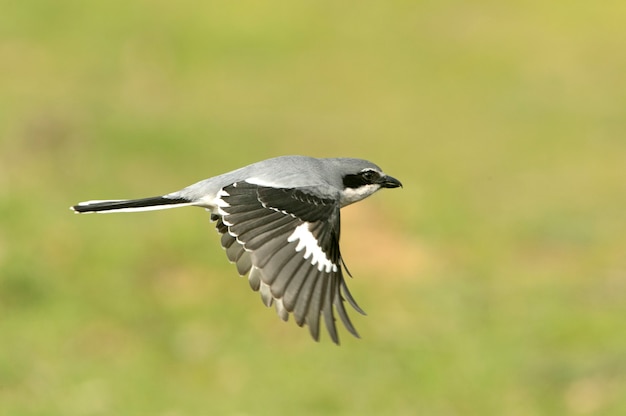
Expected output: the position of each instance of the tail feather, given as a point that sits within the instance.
(130, 205)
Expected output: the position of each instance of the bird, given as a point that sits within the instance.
(279, 222)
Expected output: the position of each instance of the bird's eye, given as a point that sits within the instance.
(370, 176)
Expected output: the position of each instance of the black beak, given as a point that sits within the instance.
(389, 182)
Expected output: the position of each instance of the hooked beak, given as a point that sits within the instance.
(389, 182)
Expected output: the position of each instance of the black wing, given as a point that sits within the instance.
(287, 240)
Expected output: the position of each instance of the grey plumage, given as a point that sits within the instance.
(279, 221)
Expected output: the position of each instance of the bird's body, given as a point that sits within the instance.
(280, 224)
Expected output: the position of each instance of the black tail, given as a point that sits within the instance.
(129, 205)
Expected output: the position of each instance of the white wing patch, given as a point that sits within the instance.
(221, 204)
(307, 241)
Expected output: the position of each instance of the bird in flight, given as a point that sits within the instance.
(279, 223)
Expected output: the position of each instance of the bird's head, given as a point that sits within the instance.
(360, 179)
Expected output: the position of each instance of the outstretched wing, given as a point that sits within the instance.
(287, 241)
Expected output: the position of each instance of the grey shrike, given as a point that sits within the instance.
(279, 223)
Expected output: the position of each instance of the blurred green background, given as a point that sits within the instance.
(495, 281)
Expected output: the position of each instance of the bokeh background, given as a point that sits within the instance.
(495, 281)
